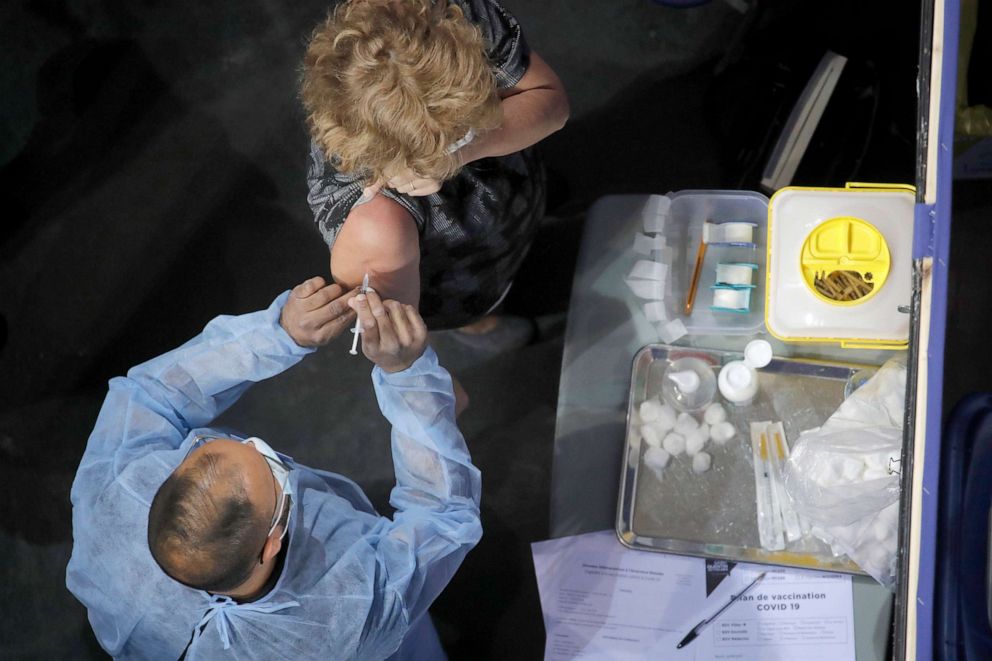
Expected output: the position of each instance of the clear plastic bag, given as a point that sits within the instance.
(843, 478)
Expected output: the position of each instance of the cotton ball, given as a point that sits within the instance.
(674, 444)
(829, 474)
(649, 410)
(666, 418)
(890, 514)
(882, 529)
(701, 462)
(879, 557)
(852, 470)
(722, 432)
(894, 403)
(656, 458)
(837, 465)
(822, 473)
(874, 474)
(650, 436)
(685, 424)
(876, 460)
(696, 440)
(714, 413)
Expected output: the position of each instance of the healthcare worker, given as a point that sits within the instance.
(189, 543)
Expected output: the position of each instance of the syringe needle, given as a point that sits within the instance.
(358, 323)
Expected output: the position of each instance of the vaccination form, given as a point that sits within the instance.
(603, 601)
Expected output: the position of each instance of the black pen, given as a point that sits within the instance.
(691, 636)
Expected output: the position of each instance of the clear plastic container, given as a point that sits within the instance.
(689, 395)
(683, 230)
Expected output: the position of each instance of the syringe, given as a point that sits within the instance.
(358, 322)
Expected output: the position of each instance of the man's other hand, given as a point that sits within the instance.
(315, 312)
(394, 335)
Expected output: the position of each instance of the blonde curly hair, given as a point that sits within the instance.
(389, 85)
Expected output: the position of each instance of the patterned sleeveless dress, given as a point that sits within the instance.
(476, 230)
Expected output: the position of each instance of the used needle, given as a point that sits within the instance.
(357, 330)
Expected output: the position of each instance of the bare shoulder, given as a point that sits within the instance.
(379, 236)
(379, 228)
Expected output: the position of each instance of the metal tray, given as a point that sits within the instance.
(713, 514)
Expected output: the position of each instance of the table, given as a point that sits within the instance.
(603, 334)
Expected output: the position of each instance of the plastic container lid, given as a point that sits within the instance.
(845, 244)
(758, 353)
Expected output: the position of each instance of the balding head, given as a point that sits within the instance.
(209, 520)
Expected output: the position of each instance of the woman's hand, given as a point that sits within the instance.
(410, 183)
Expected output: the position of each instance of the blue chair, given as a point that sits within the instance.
(963, 598)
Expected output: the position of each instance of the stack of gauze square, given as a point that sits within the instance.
(649, 278)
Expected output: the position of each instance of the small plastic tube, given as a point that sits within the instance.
(778, 456)
(769, 534)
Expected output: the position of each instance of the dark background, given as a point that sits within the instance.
(152, 163)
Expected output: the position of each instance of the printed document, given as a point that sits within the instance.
(603, 601)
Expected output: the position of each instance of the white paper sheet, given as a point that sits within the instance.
(603, 601)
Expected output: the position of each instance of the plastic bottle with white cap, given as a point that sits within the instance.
(738, 380)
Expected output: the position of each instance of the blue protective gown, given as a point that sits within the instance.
(354, 584)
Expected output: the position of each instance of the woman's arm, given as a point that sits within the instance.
(380, 238)
(533, 109)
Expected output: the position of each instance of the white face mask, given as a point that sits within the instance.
(279, 469)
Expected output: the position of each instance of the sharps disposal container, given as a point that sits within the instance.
(839, 267)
